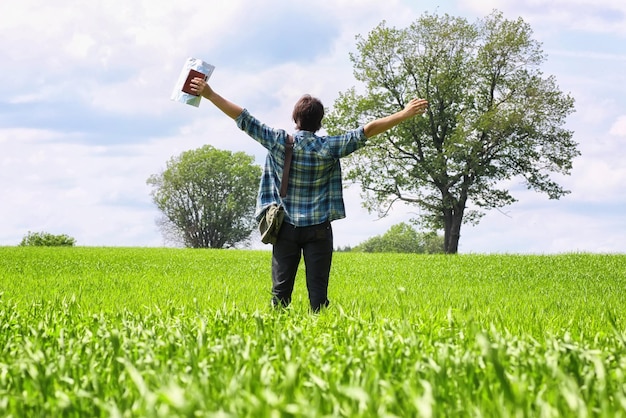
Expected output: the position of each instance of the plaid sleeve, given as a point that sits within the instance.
(268, 137)
(343, 145)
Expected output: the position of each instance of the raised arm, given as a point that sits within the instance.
(202, 88)
(378, 126)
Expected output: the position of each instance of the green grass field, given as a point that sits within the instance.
(127, 332)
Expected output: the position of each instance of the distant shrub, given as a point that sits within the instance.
(402, 238)
(45, 239)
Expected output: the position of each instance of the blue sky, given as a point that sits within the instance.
(85, 115)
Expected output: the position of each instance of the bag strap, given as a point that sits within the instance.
(288, 153)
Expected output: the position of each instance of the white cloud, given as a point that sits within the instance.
(619, 127)
(80, 45)
(69, 188)
(136, 48)
(604, 16)
(550, 228)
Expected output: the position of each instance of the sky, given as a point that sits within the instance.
(86, 115)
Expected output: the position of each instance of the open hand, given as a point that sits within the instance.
(416, 107)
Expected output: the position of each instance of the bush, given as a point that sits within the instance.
(402, 238)
(45, 239)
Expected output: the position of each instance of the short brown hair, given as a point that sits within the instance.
(308, 113)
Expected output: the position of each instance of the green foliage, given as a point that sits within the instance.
(403, 238)
(45, 239)
(181, 332)
(493, 116)
(207, 197)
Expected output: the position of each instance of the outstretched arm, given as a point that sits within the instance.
(378, 126)
(201, 87)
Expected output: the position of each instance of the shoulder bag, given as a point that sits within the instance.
(272, 220)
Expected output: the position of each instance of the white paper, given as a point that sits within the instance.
(178, 95)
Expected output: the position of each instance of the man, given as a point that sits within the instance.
(314, 197)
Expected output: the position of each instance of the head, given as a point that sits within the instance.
(308, 113)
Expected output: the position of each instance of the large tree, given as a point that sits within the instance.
(207, 197)
(493, 116)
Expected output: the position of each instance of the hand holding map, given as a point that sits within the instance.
(192, 68)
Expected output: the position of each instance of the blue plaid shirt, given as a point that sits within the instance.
(315, 193)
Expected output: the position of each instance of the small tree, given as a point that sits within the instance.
(207, 197)
(402, 238)
(45, 239)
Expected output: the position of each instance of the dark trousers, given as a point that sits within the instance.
(316, 244)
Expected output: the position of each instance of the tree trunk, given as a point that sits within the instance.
(453, 218)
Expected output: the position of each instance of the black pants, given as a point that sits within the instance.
(316, 243)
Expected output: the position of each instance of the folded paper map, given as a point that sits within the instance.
(192, 68)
